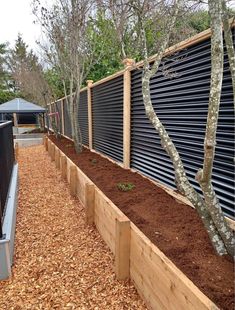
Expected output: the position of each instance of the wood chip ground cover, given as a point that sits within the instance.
(60, 263)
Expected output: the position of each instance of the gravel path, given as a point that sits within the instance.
(60, 263)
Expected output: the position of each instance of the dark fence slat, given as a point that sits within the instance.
(83, 117)
(180, 96)
(7, 159)
(107, 116)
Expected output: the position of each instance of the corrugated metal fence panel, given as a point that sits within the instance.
(83, 117)
(67, 124)
(180, 96)
(107, 113)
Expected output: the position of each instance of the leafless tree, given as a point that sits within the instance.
(68, 48)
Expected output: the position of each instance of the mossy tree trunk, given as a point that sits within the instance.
(229, 43)
(204, 176)
(216, 232)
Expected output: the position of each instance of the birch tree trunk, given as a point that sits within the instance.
(229, 44)
(70, 106)
(204, 175)
(77, 130)
(181, 179)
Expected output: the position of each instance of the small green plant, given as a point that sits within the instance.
(93, 161)
(125, 187)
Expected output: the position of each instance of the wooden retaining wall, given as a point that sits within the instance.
(158, 281)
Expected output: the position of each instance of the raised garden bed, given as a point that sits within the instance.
(170, 227)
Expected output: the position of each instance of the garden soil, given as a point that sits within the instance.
(174, 227)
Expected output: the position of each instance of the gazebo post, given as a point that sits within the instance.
(15, 118)
(43, 121)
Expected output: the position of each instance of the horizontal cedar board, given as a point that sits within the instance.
(160, 282)
(104, 221)
(106, 214)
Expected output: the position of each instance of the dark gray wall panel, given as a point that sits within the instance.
(180, 93)
(83, 117)
(107, 114)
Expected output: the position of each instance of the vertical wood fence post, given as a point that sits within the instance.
(52, 151)
(57, 158)
(15, 118)
(89, 105)
(122, 249)
(89, 203)
(62, 115)
(63, 166)
(127, 112)
(45, 142)
(73, 180)
(49, 147)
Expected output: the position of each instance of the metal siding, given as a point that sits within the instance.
(107, 114)
(7, 159)
(180, 95)
(83, 117)
(67, 124)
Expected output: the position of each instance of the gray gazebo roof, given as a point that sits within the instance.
(19, 105)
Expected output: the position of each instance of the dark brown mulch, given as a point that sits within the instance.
(174, 227)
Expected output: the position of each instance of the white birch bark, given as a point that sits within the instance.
(181, 179)
(229, 44)
(77, 129)
(204, 176)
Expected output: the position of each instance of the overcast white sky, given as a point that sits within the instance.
(16, 17)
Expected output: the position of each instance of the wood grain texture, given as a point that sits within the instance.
(82, 180)
(106, 214)
(161, 283)
(126, 118)
(52, 151)
(89, 106)
(73, 180)
(122, 249)
(57, 157)
(63, 166)
(89, 203)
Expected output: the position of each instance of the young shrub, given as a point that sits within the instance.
(125, 187)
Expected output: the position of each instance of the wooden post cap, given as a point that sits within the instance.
(128, 62)
(89, 82)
